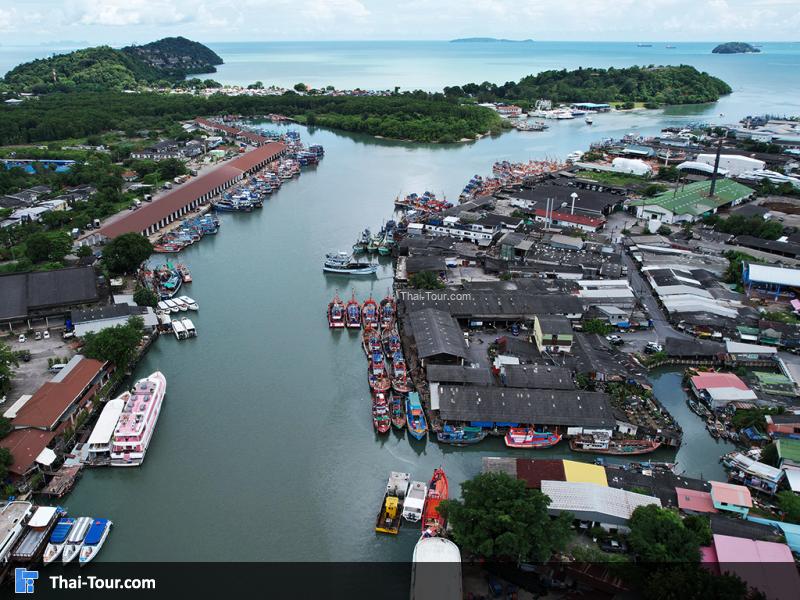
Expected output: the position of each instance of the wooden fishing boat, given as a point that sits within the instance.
(391, 341)
(400, 373)
(388, 312)
(352, 315)
(336, 313)
(461, 435)
(415, 416)
(438, 490)
(371, 342)
(369, 313)
(527, 437)
(397, 410)
(381, 420)
(605, 445)
(378, 379)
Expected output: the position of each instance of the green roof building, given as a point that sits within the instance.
(691, 202)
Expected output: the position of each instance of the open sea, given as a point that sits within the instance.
(265, 449)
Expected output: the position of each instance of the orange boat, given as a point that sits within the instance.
(432, 522)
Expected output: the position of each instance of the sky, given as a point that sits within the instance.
(121, 22)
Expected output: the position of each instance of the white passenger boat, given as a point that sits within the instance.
(189, 302)
(163, 307)
(95, 538)
(58, 539)
(75, 539)
(181, 304)
(178, 329)
(137, 422)
(172, 306)
(189, 327)
(415, 501)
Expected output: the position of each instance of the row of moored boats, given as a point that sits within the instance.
(80, 538)
(414, 502)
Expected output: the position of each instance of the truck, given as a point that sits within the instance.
(96, 223)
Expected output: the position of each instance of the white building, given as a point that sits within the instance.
(733, 163)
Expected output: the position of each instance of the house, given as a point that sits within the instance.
(731, 497)
(754, 474)
(695, 502)
(610, 508)
(562, 219)
(789, 461)
(719, 389)
(768, 567)
(27, 447)
(785, 425)
(534, 471)
(129, 176)
(57, 404)
(552, 333)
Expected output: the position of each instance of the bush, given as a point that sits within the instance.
(124, 254)
(425, 280)
(145, 297)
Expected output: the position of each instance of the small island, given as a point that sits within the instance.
(488, 40)
(735, 48)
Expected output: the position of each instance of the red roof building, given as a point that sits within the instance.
(57, 403)
(561, 219)
(187, 197)
(25, 446)
(694, 501)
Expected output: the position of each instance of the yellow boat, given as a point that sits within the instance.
(392, 506)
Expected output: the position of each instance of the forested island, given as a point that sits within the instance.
(103, 67)
(651, 85)
(735, 48)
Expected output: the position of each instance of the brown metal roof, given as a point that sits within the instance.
(53, 399)
(25, 445)
(534, 471)
(139, 220)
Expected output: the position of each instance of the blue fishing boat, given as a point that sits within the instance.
(415, 416)
(461, 436)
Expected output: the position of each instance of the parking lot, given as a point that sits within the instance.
(30, 375)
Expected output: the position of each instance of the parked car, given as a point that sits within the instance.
(615, 340)
(653, 347)
(37, 335)
(46, 334)
(22, 339)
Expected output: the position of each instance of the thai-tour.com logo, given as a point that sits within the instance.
(24, 580)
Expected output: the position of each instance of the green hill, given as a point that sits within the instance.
(734, 48)
(106, 68)
(656, 85)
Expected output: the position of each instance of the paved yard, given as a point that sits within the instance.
(32, 374)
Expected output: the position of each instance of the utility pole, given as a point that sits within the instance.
(716, 169)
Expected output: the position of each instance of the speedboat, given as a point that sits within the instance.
(75, 539)
(342, 263)
(58, 539)
(181, 304)
(95, 538)
(190, 304)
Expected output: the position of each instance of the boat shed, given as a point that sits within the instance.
(438, 337)
(189, 196)
(458, 374)
(96, 319)
(611, 507)
(491, 305)
(576, 410)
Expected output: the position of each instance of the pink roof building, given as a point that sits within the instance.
(731, 497)
(710, 380)
(694, 501)
(766, 566)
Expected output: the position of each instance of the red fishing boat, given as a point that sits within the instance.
(527, 437)
(352, 315)
(391, 341)
(381, 420)
(371, 341)
(432, 521)
(378, 379)
(388, 312)
(397, 410)
(369, 313)
(336, 313)
(399, 373)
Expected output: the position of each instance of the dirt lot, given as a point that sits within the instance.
(32, 374)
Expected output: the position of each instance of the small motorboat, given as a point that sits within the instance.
(461, 436)
(95, 538)
(58, 539)
(191, 304)
(75, 539)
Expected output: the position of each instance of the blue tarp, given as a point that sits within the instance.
(95, 532)
(790, 531)
(61, 531)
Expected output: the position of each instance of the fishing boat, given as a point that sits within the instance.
(370, 342)
(415, 416)
(186, 275)
(460, 436)
(137, 422)
(381, 420)
(391, 341)
(527, 437)
(378, 379)
(375, 241)
(388, 312)
(388, 520)
(369, 313)
(58, 539)
(342, 264)
(75, 539)
(95, 538)
(336, 313)
(399, 373)
(397, 410)
(415, 501)
(606, 445)
(363, 242)
(438, 490)
(352, 315)
(387, 243)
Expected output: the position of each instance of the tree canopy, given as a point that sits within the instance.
(126, 252)
(789, 503)
(6, 460)
(500, 518)
(8, 360)
(47, 246)
(659, 536)
(115, 344)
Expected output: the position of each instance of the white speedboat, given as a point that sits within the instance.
(179, 330)
(75, 539)
(95, 538)
(589, 120)
(189, 327)
(58, 539)
(189, 302)
(163, 307)
(415, 501)
(181, 304)
(172, 306)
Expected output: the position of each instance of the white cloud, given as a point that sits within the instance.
(6, 19)
(117, 13)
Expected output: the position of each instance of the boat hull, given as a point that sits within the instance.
(534, 441)
(626, 450)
